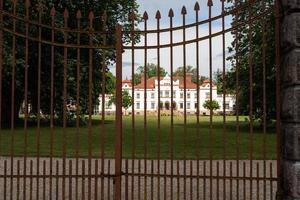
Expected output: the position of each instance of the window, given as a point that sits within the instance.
(161, 93)
(138, 105)
(152, 95)
(195, 95)
(227, 105)
(196, 105)
(153, 105)
(138, 96)
(188, 95)
(174, 94)
(188, 105)
(181, 105)
(181, 95)
(207, 95)
(167, 93)
(107, 106)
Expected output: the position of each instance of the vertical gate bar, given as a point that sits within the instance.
(197, 8)
(218, 181)
(165, 179)
(139, 179)
(65, 83)
(152, 183)
(108, 181)
(132, 21)
(183, 13)
(5, 181)
(78, 78)
(224, 99)
(237, 86)
(171, 142)
(133, 104)
(278, 92)
(250, 60)
(271, 180)
(257, 181)
(57, 179)
(158, 17)
(191, 180)
(104, 19)
(210, 4)
(13, 65)
(118, 142)
(145, 104)
(18, 179)
(38, 132)
(12, 128)
(70, 179)
(178, 180)
(1, 66)
(96, 179)
(44, 180)
(126, 179)
(204, 180)
(244, 179)
(90, 104)
(27, 4)
(264, 151)
(83, 180)
(230, 183)
(31, 180)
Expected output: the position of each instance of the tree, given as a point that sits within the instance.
(151, 72)
(211, 105)
(116, 12)
(189, 70)
(263, 41)
(126, 100)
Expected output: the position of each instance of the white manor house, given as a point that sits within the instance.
(165, 96)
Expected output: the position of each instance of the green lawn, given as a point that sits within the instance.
(152, 140)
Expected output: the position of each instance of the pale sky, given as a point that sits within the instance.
(163, 6)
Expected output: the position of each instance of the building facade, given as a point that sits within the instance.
(146, 96)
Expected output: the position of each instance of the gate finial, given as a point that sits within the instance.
(132, 16)
(91, 15)
(27, 3)
(145, 16)
(210, 3)
(78, 14)
(196, 7)
(66, 14)
(158, 15)
(171, 13)
(183, 10)
(53, 12)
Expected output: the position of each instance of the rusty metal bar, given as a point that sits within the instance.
(90, 104)
(1, 67)
(171, 142)
(145, 129)
(118, 139)
(78, 78)
(183, 13)
(65, 87)
(133, 151)
(27, 5)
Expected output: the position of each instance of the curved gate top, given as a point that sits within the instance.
(197, 116)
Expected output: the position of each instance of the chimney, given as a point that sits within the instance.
(189, 77)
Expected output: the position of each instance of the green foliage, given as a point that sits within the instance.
(190, 70)
(126, 99)
(261, 52)
(151, 72)
(117, 12)
(211, 105)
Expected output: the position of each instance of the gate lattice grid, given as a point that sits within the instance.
(146, 155)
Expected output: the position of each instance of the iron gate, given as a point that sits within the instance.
(69, 144)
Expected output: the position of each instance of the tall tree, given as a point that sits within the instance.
(260, 51)
(191, 70)
(114, 11)
(151, 72)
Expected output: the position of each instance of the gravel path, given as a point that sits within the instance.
(139, 187)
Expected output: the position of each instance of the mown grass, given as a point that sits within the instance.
(185, 142)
